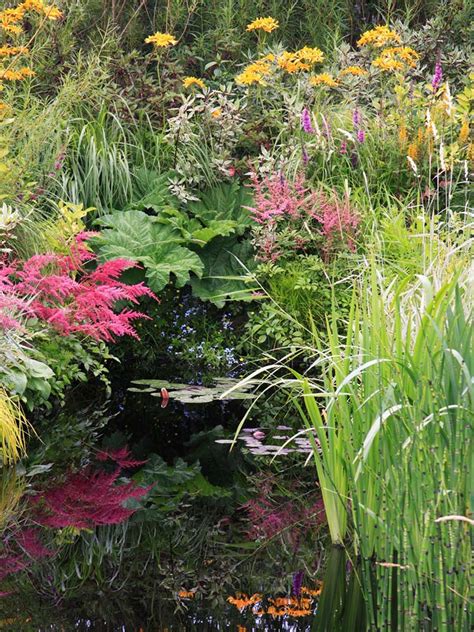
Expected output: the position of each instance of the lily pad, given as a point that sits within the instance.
(192, 393)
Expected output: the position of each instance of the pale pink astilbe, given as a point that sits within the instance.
(87, 499)
(59, 290)
(275, 196)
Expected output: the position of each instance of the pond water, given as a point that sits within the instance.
(210, 539)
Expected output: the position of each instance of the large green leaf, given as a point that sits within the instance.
(157, 246)
(224, 202)
(227, 263)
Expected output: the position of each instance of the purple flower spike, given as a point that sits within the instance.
(297, 583)
(360, 135)
(356, 118)
(306, 121)
(305, 156)
(437, 77)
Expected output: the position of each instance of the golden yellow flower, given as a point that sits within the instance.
(216, 113)
(51, 12)
(323, 78)
(16, 75)
(396, 58)
(413, 151)
(254, 73)
(310, 55)
(356, 71)
(9, 19)
(378, 37)
(388, 64)
(161, 40)
(193, 81)
(11, 51)
(464, 132)
(402, 135)
(291, 62)
(405, 53)
(263, 24)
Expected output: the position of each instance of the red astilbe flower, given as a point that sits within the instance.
(268, 517)
(87, 499)
(29, 541)
(121, 457)
(57, 289)
(11, 563)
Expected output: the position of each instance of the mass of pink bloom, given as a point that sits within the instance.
(86, 499)
(313, 217)
(275, 196)
(63, 292)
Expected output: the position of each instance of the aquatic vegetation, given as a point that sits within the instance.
(295, 186)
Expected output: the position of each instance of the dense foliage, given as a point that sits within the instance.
(245, 196)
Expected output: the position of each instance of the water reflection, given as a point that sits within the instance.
(100, 530)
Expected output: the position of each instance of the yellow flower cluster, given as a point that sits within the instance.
(254, 73)
(323, 79)
(12, 51)
(193, 81)
(263, 24)
(396, 58)
(356, 71)
(161, 40)
(300, 60)
(310, 55)
(464, 132)
(16, 75)
(10, 19)
(378, 37)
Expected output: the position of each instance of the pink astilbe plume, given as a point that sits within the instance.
(339, 224)
(87, 499)
(292, 218)
(57, 289)
(275, 196)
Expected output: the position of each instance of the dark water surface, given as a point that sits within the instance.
(139, 582)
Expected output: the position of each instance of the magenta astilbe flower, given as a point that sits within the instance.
(437, 77)
(29, 541)
(306, 121)
(87, 499)
(360, 136)
(121, 457)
